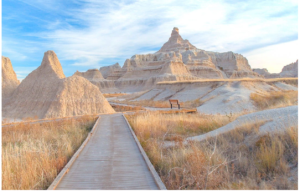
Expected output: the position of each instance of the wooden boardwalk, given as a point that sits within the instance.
(111, 159)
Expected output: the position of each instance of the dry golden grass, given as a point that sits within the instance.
(34, 153)
(123, 108)
(107, 95)
(5, 121)
(146, 103)
(176, 124)
(288, 79)
(239, 159)
(162, 104)
(274, 99)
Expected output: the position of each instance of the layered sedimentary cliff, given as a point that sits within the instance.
(187, 61)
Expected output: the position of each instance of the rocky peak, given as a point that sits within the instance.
(9, 79)
(117, 65)
(176, 43)
(51, 66)
(175, 34)
(8, 72)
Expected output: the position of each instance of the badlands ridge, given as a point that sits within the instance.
(178, 70)
(47, 93)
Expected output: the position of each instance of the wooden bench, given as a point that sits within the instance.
(174, 102)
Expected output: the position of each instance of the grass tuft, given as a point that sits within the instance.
(275, 99)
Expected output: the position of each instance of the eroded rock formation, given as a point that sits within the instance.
(9, 79)
(108, 70)
(47, 93)
(188, 62)
(91, 74)
(95, 77)
(290, 70)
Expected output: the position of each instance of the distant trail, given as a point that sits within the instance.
(111, 159)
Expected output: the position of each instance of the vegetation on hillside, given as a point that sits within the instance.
(108, 95)
(274, 99)
(162, 104)
(239, 159)
(34, 153)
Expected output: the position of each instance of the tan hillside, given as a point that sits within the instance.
(46, 92)
(91, 74)
(95, 77)
(9, 79)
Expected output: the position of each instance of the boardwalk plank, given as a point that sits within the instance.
(110, 160)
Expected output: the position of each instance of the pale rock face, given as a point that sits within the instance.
(176, 43)
(107, 70)
(199, 64)
(96, 78)
(77, 96)
(230, 61)
(91, 74)
(206, 72)
(9, 79)
(46, 93)
(290, 70)
(262, 71)
(243, 74)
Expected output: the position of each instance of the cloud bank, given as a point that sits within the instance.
(92, 33)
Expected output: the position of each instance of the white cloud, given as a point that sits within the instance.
(114, 29)
(119, 29)
(274, 57)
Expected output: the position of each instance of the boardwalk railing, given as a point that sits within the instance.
(72, 160)
(156, 177)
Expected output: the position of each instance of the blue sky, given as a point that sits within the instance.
(93, 33)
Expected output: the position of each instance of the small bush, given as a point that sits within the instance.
(275, 99)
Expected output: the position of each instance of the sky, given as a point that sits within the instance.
(89, 34)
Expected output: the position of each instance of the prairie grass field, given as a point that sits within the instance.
(33, 154)
(239, 159)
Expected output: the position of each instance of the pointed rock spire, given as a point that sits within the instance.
(9, 79)
(176, 43)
